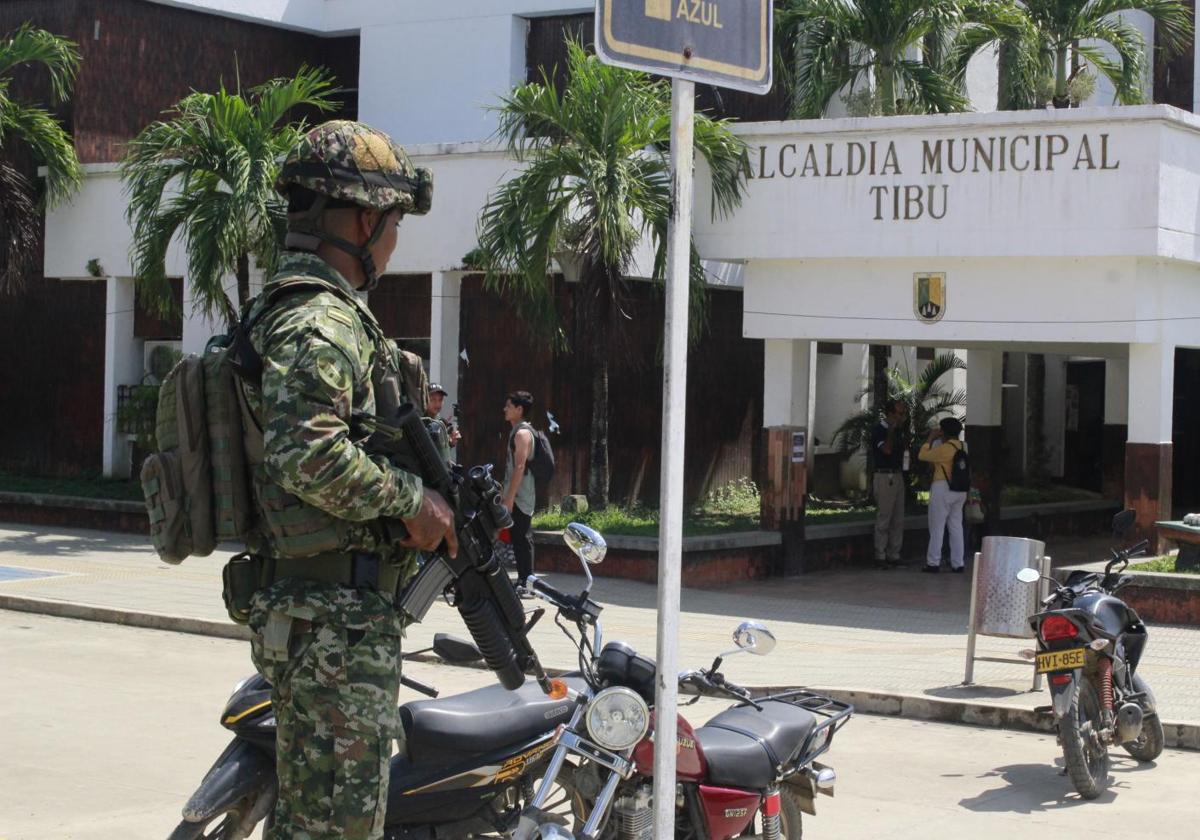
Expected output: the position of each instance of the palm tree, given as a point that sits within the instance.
(1038, 54)
(208, 174)
(928, 400)
(596, 180)
(36, 129)
(831, 44)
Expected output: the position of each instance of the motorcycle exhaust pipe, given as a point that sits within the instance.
(1129, 722)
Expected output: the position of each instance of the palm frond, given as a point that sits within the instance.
(205, 176)
(1127, 71)
(31, 45)
(51, 145)
(19, 239)
(595, 181)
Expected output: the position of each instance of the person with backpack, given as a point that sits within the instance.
(947, 492)
(520, 486)
(339, 525)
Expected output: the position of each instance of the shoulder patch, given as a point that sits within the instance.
(330, 367)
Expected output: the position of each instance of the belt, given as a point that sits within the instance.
(354, 570)
(886, 471)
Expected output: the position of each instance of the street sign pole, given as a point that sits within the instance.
(725, 43)
(670, 526)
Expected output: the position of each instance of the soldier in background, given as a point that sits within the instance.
(326, 633)
(433, 410)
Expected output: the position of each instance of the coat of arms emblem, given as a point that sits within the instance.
(929, 297)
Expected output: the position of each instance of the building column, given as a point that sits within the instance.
(122, 366)
(444, 314)
(787, 406)
(985, 428)
(1148, 451)
(1116, 427)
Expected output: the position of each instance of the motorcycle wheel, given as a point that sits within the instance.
(1085, 754)
(1149, 744)
(224, 826)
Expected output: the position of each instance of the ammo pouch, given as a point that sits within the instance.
(241, 578)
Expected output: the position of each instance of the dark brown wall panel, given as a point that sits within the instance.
(52, 379)
(140, 58)
(723, 426)
(401, 302)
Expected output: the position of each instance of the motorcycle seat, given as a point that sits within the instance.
(446, 730)
(745, 748)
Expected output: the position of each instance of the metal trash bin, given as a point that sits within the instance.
(1001, 604)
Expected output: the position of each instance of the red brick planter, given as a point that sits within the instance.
(74, 512)
(706, 561)
(1164, 598)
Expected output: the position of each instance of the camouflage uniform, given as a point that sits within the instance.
(328, 642)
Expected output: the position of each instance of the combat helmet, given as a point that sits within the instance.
(346, 163)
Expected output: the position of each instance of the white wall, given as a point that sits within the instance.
(439, 85)
(1098, 199)
(92, 225)
(840, 383)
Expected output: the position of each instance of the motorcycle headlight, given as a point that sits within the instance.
(617, 718)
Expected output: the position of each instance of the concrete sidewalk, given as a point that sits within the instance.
(892, 642)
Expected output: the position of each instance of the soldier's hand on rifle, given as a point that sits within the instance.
(433, 523)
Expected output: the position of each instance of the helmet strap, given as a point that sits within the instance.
(305, 234)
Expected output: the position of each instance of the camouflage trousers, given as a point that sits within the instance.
(332, 655)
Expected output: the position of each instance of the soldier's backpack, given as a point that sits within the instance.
(959, 478)
(196, 485)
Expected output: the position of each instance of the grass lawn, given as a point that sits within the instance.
(1165, 563)
(88, 486)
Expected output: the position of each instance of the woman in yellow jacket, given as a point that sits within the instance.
(945, 505)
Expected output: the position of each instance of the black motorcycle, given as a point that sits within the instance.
(470, 763)
(1089, 644)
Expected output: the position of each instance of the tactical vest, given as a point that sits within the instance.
(292, 528)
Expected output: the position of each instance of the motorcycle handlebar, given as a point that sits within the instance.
(574, 607)
(541, 587)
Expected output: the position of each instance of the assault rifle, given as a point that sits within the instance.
(482, 591)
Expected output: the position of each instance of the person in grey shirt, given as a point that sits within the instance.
(519, 489)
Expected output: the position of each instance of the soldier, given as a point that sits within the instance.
(433, 410)
(325, 629)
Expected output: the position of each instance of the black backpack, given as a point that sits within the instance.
(959, 479)
(541, 464)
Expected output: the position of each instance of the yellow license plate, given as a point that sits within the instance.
(1060, 660)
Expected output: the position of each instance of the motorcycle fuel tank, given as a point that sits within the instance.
(1110, 612)
(690, 765)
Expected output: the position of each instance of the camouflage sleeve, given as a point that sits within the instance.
(308, 393)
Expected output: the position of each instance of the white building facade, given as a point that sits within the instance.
(1071, 235)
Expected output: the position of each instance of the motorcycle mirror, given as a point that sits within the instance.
(1028, 575)
(1122, 522)
(754, 637)
(588, 546)
(454, 650)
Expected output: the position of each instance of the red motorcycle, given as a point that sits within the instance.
(751, 771)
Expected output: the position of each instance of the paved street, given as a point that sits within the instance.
(105, 730)
(897, 632)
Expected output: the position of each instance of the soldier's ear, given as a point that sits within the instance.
(367, 219)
